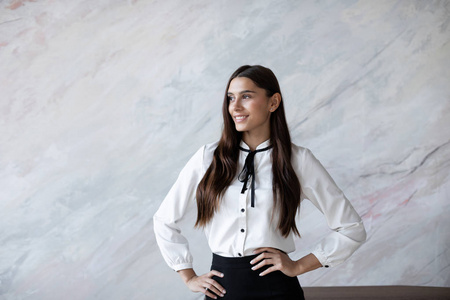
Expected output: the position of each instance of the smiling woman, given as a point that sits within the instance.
(251, 234)
(250, 107)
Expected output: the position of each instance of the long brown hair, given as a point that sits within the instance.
(223, 169)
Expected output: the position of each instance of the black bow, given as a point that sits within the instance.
(249, 171)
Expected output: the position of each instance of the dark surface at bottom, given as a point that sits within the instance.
(377, 292)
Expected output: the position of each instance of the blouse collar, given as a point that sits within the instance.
(260, 146)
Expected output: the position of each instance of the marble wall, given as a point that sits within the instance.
(103, 102)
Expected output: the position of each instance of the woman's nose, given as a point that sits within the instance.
(237, 104)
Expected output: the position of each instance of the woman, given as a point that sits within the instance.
(247, 189)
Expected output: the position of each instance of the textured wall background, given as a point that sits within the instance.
(103, 102)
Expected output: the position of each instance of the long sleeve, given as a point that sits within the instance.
(180, 199)
(348, 229)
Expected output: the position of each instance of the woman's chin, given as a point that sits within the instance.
(240, 129)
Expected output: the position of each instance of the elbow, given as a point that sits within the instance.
(356, 231)
(158, 222)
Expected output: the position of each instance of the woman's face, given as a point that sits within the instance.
(250, 107)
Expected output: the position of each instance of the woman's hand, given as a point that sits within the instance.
(280, 261)
(204, 283)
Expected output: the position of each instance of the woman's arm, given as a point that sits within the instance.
(177, 204)
(173, 245)
(204, 283)
(280, 261)
(348, 232)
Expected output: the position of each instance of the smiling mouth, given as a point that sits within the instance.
(240, 118)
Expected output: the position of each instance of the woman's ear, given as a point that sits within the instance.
(274, 102)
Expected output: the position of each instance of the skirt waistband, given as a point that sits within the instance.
(233, 262)
(243, 283)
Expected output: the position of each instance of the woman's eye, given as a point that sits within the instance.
(230, 98)
(246, 96)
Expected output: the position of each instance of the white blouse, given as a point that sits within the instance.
(238, 228)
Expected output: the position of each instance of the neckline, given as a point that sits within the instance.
(263, 145)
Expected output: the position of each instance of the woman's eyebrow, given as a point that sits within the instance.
(242, 92)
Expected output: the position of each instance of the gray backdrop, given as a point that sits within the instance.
(103, 102)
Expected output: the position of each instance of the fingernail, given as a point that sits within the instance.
(224, 291)
(221, 275)
(251, 262)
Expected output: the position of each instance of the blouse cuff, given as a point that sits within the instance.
(182, 266)
(323, 259)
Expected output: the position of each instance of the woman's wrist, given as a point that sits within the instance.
(187, 275)
(299, 267)
(307, 263)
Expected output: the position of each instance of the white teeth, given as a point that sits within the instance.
(240, 117)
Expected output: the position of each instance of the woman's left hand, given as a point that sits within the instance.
(279, 260)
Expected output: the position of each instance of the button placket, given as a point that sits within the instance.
(242, 223)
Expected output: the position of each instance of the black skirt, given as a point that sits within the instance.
(241, 282)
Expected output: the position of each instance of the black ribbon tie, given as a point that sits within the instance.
(249, 171)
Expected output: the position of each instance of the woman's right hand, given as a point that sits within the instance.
(204, 283)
